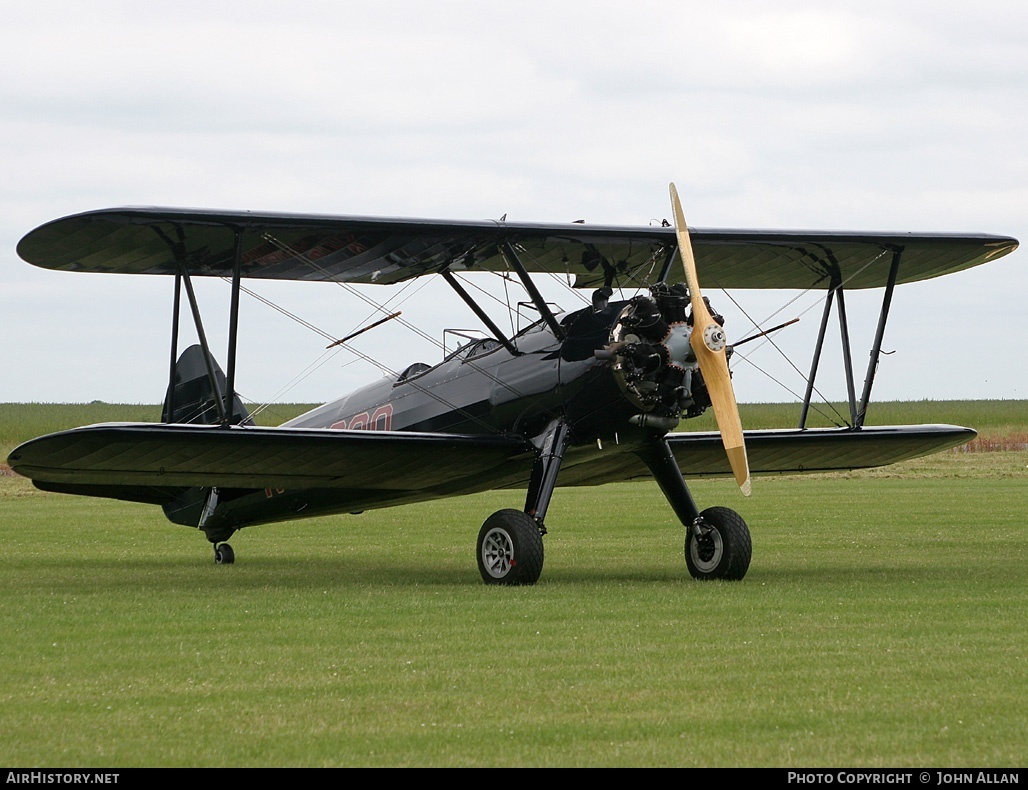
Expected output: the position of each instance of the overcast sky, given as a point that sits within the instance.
(908, 116)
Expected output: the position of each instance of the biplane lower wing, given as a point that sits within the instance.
(148, 462)
(817, 450)
(159, 456)
(777, 452)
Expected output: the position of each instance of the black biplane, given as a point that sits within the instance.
(579, 398)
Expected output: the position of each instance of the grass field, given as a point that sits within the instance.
(881, 624)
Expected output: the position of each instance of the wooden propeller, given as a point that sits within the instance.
(708, 344)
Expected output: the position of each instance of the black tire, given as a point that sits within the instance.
(723, 552)
(510, 549)
(223, 554)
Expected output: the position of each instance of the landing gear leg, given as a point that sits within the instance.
(544, 472)
(717, 542)
(661, 461)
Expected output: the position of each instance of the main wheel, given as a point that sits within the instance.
(510, 549)
(723, 551)
(223, 554)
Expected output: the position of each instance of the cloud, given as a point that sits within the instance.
(850, 115)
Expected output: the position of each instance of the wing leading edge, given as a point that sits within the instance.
(380, 250)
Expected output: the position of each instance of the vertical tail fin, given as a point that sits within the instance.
(191, 399)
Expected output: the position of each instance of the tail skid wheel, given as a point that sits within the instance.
(510, 549)
(723, 550)
(223, 554)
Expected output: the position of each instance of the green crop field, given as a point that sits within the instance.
(881, 624)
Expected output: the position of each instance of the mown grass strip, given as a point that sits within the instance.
(881, 624)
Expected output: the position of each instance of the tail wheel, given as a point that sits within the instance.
(510, 549)
(723, 549)
(223, 554)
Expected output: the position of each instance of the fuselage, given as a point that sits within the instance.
(484, 388)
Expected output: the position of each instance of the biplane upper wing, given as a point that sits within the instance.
(378, 250)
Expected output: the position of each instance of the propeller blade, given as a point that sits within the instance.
(708, 345)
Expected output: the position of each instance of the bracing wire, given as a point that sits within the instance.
(745, 357)
(383, 368)
(757, 325)
(380, 308)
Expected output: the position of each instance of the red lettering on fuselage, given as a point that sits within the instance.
(381, 419)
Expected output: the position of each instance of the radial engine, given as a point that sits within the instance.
(652, 358)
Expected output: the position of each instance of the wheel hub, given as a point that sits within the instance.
(497, 553)
(706, 550)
